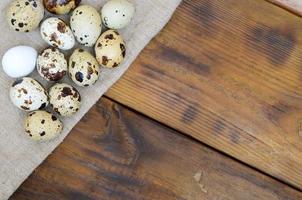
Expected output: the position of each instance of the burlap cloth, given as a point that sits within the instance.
(19, 156)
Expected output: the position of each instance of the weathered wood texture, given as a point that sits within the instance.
(294, 6)
(228, 73)
(114, 153)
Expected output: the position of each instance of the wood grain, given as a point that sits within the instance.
(228, 73)
(114, 153)
(294, 6)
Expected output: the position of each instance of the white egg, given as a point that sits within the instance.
(56, 33)
(117, 14)
(19, 61)
(86, 24)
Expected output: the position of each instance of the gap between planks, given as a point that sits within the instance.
(189, 137)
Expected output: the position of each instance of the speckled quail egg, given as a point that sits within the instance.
(86, 24)
(28, 95)
(65, 99)
(117, 14)
(83, 68)
(60, 7)
(25, 15)
(42, 126)
(110, 49)
(57, 34)
(51, 64)
(19, 61)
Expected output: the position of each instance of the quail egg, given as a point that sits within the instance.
(117, 14)
(110, 49)
(19, 61)
(42, 126)
(28, 95)
(83, 68)
(57, 34)
(25, 15)
(86, 24)
(60, 7)
(65, 99)
(51, 64)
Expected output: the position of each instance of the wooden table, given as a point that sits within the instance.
(210, 110)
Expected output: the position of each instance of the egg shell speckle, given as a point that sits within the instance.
(86, 24)
(64, 99)
(24, 15)
(51, 64)
(28, 95)
(116, 14)
(42, 126)
(60, 7)
(56, 33)
(110, 49)
(83, 68)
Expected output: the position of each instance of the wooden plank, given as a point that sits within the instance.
(114, 153)
(228, 73)
(294, 6)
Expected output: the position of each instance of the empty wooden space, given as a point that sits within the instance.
(224, 75)
(228, 73)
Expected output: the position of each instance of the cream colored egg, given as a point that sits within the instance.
(86, 24)
(56, 33)
(117, 14)
(110, 49)
(42, 126)
(25, 15)
(64, 99)
(83, 68)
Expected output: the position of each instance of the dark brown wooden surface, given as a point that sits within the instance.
(228, 73)
(114, 153)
